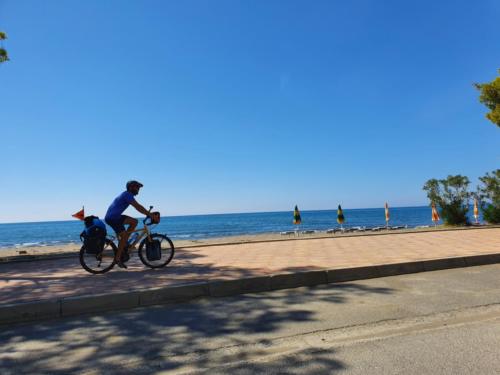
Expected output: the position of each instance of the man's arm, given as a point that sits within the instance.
(140, 208)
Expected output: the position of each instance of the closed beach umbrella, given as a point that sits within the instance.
(435, 215)
(296, 216)
(476, 211)
(80, 215)
(386, 214)
(340, 216)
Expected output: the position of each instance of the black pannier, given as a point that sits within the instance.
(153, 250)
(94, 235)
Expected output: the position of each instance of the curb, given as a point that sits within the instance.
(71, 306)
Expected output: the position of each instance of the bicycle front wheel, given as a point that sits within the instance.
(160, 259)
(101, 262)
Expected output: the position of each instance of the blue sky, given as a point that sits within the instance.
(238, 106)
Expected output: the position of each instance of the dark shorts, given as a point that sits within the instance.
(116, 223)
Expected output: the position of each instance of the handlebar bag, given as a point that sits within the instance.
(155, 217)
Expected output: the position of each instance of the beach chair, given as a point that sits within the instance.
(358, 229)
(397, 227)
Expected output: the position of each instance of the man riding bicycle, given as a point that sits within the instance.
(116, 220)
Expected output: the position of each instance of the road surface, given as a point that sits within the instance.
(443, 322)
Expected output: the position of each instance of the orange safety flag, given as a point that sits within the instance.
(386, 212)
(435, 215)
(80, 215)
(476, 210)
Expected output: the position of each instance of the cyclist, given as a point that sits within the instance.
(116, 220)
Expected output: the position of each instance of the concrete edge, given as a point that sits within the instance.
(173, 294)
(71, 306)
(29, 311)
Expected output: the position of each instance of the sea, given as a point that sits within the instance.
(196, 227)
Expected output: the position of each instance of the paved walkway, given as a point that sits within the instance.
(56, 278)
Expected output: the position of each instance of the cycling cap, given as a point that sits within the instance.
(134, 182)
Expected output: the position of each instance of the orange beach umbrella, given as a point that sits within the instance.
(435, 215)
(476, 210)
(387, 212)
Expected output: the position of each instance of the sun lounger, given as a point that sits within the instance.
(308, 231)
(358, 229)
(397, 227)
(286, 233)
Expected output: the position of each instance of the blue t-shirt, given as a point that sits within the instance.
(119, 205)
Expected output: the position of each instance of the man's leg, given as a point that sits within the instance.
(124, 236)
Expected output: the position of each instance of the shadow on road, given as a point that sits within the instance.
(157, 338)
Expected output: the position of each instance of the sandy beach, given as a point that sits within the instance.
(31, 251)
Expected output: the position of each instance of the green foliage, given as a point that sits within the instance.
(452, 197)
(3, 53)
(489, 196)
(490, 97)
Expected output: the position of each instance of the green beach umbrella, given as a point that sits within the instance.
(296, 216)
(340, 215)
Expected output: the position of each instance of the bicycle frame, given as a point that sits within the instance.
(143, 232)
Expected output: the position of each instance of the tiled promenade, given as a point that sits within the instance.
(57, 278)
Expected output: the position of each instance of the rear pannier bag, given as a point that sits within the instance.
(94, 235)
(153, 250)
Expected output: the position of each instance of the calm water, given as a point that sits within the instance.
(209, 226)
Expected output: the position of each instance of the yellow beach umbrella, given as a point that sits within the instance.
(435, 215)
(476, 211)
(296, 216)
(386, 214)
(340, 216)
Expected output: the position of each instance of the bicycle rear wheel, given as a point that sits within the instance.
(101, 262)
(166, 251)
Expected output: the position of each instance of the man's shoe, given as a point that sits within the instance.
(125, 257)
(121, 264)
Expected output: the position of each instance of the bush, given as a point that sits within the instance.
(489, 196)
(490, 97)
(451, 196)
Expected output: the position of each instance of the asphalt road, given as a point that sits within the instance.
(443, 322)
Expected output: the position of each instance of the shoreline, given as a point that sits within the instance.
(64, 249)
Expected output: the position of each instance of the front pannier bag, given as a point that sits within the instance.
(94, 235)
(153, 250)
